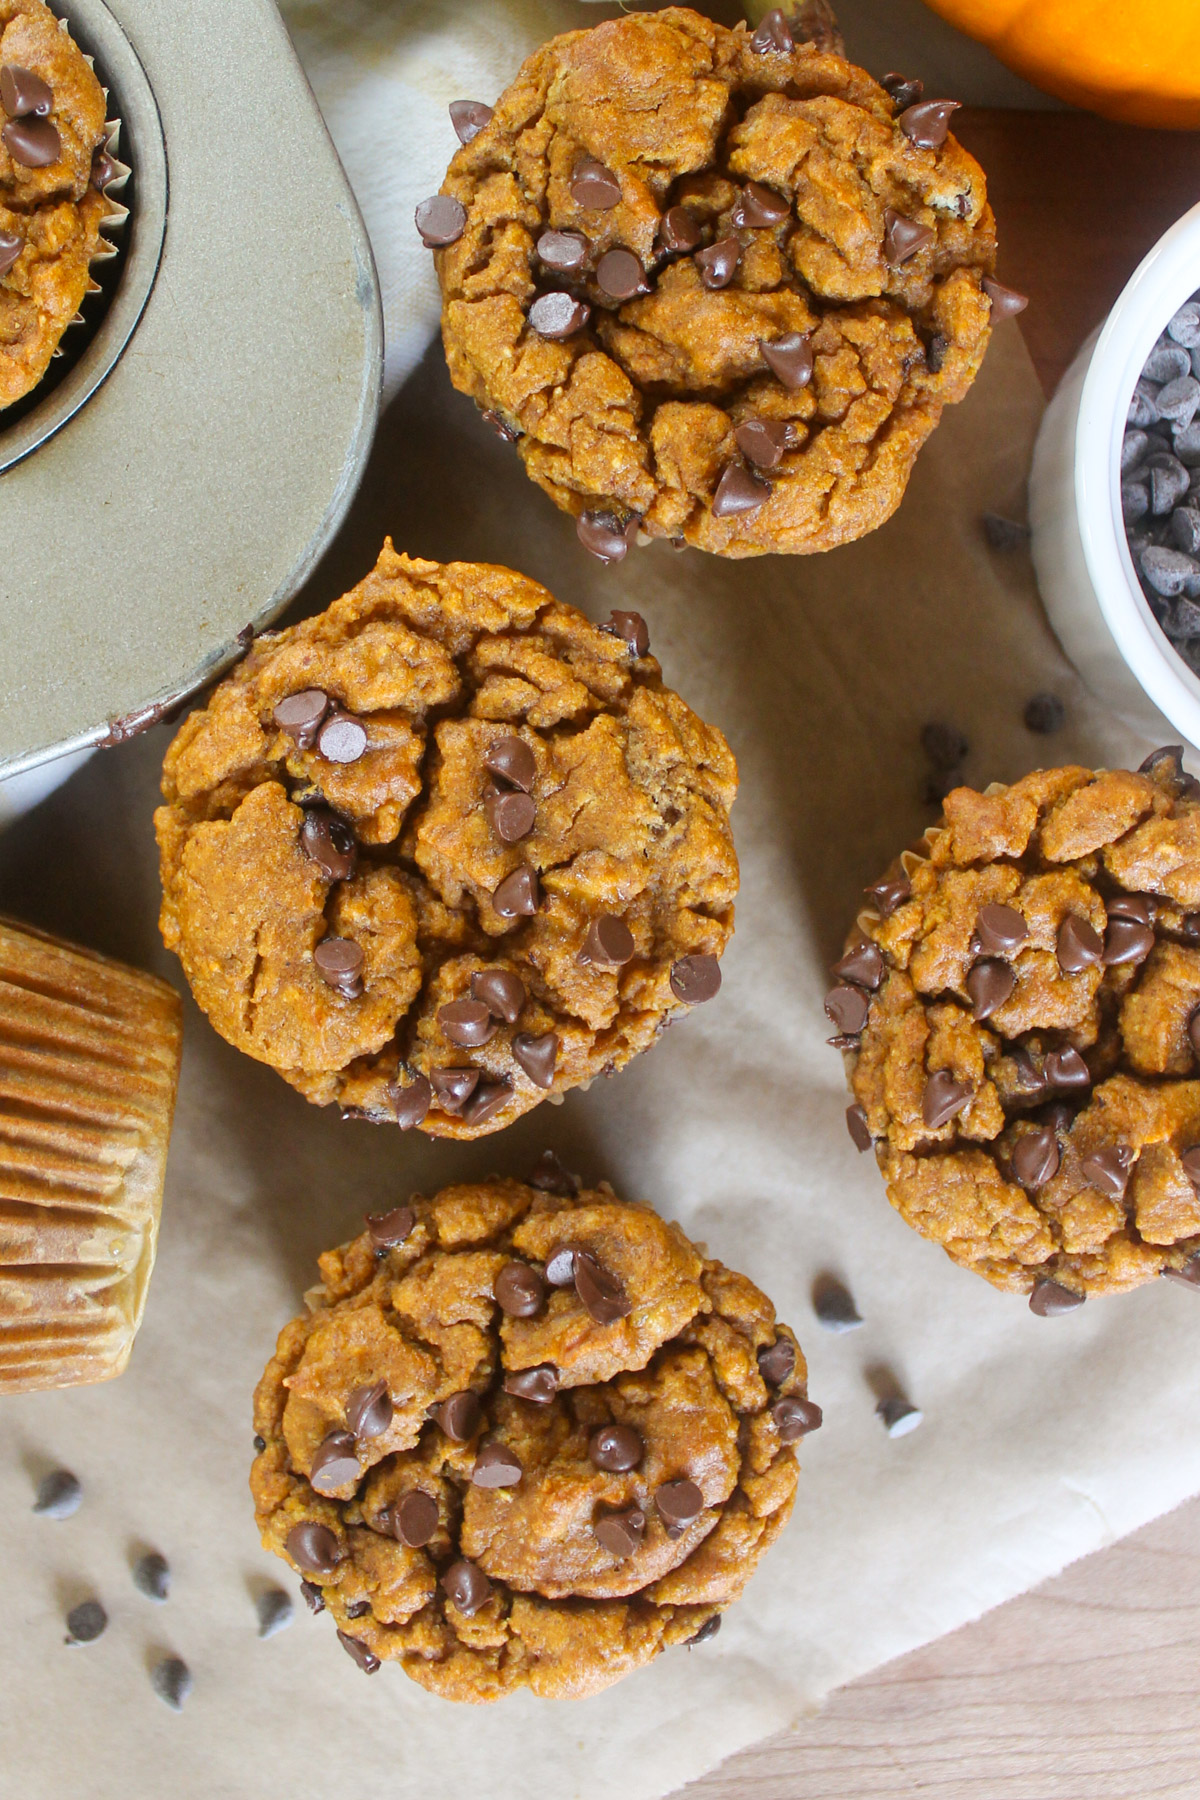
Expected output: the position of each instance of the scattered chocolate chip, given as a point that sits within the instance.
(718, 263)
(1131, 906)
(620, 275)
(678, 230)
(864, 966)
(679, 1502)
(1006, 302)
(469, 117)
(608, 944)
(594, 187)
(486, 1101)
(500, 426)
(519, 1290)
(537, 1054)
(467, 1586)
(1066, 1069)
(152, 1575)
(340, 962)
(10, 248)
(511, 759)
(776, 1361)
(990, 983)
(999, 930)
(511, 816)
(898, 1415)
(632, 628)
(902, 238)
(366, 1659)
(1079, 945)
(334, 1463)
(467, 1023)
(1127, 941)
(834, 1305)
(904, 92)
(944, 745)
(560, 1266)
(275, 1611)
(558, 315)
(773, 35)
(391, 1228)
(58, 1495)
(85, 1622)
(847, 1008)
(926, 123)
(789, 358)
(369, 1410)
(616, 1448)
(260, 1443)
(22, 92)
(518, 895)
(943, 1098)
(1045, 714)
(411, 1103)
(604, 535)
(496, 1467)
(603, 1297)
(887, 895)
(757, 206)
(171, 1680)
(621, 1533)
(1004, 534)
(415, 1519)
(550, 1177)
(34, 143)
(1108, 1170)
(764, 441)
(794, 1418)
(300, 716)
(539, 1384)
(502, 992)
(696, 979)
(739, 491)
(330, 843)
(314, 1599)
(1188, 1273)
(706, 1633)
(454, 1087)
(1050, 1298)
(342, 738)
(562, 251)
(441, 220)
(460, 1415)
(860, 1131)
(1035, 1158)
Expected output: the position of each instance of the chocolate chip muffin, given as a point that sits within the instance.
(447, 849)
(54, 168)
(526, 1436)
(718, 285)
(1020, 1010)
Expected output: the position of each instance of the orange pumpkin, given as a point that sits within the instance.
(1133, 60)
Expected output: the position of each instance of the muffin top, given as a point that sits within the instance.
(713, 281)
(527, 1436)
(447, 848)
(1019, 1004)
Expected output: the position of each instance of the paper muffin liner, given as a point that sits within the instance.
(89, 1064)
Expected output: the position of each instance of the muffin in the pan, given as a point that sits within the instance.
(718, 285)
(527, 1437)
(54, 169)
(1020, 1008)
(447, 849)
(89, 1062)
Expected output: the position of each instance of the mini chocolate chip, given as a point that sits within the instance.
(537, 1054)
(440, 220)
(860, 1131)
(275, 1611)
(152, 1575)
(358, 1609)
(886, 896)
(1108, 1170)
(935, 352)
(502, 992)
(1188, 1273)
(1005, 534)
(847, 1008)
(33, 143)
(608, 944)
(1066, 1069)
(789, 358)
(314, 1547)
(558, 315)
(603, 1297)
(518, 895)
(594, 187)
(467, 1586)
(1079, 945)
(562, 251)
(794, 1418)
(605, 536)
(369, 1410)
(1035, 1158)
(415, 1519)
(680, 1502)
(757, 206)
(632, 628)
(260, 1443)
(314, 1599)
(511, 816)
(999, 930)
(500, 426)
(620, 275)
(864, 965)
(466, 1022)
(334, 1463)
(944, 1096)
(776, 1361)
(459, 1415)
(898, 1415)
(511, 758)
(86, 1622)
(104, 169)
(718, 263)
(902, 238)
(300, 715)
(391, 1228)
(903, 90)
(616, 1448)
(706, 1633)
(1045, 714)
(10, 248)
(469, 117)
(990, 983)
(496, 1467)
(366, 1659)
(342, 738)
(1006, 302)
(411, 1104)
(739, 491)
(834, 1305)
(340, 962)
(678, 229)
(519, 1290)
(486, 1101)
(1050, 1298)
(454, 1087)
(58, 1495)
(1127, 941)
(696, 979)
(23, 92)
(329, 841)
(773, 34)
(539, 1384)
(764, 441)
(171, 1680)
(926, 123)
(1130, 906)
(621, 1533)
(560, 1265)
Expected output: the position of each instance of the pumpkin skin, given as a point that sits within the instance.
(1137, 63)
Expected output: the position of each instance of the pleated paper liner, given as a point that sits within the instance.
(89, 1065)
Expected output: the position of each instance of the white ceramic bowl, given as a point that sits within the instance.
(1084, 569)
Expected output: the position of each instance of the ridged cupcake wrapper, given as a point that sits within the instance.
(112, 221)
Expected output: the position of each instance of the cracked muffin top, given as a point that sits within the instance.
(527, 1436)
(1020, 1007)
(718, 285)
(53, 170)
(447, 848)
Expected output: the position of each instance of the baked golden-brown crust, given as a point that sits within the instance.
(441, 667)
(1019, 1009)
(678, 1373)
(635, 415)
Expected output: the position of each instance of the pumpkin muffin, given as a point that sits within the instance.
(447, 849)
(526, 1436)
(1019, 1006)
(717, 285)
